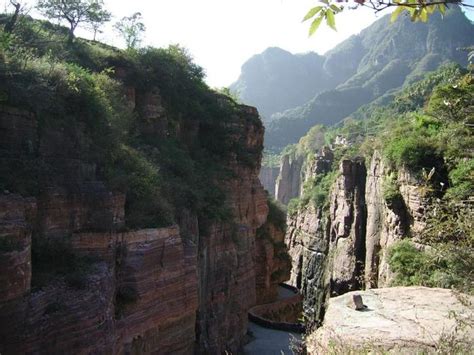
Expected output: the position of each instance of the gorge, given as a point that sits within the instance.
(134, 217)
(130, 207)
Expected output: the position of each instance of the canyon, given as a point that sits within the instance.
(339, 247)
(179, 289)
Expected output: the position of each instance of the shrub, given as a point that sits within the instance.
(317, 190)
(408, 263)
(54, 257)
(293, 206)
(462, 180)
(446, 265)
(412, 151)
(391, 190)
(276, 213)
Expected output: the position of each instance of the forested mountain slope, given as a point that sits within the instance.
(276, 80)
(381, 59)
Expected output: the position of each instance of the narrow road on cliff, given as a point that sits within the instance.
(270, 341)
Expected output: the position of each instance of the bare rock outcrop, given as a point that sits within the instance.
(15, 246)
(347, 214)
(288, 184)
(268, 177)
(407, 320)
(272, 262)
(307, 239)
(345, 247)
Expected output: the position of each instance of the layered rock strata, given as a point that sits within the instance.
(180, 289)
(273, 264)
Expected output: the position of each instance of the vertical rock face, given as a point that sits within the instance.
(140, 296)
(345, 248)
(288, 184)
(180, 289)
(307, 239)
(385, 225)
(226, 256)
(347, 231)
(273, 263)
(15, 246)
(268, 177)
(389, 221)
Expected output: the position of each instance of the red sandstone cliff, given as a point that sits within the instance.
(180, 289)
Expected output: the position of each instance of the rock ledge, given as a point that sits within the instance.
(399, 319)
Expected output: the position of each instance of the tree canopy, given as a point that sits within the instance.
(75, 12)
(131, 28)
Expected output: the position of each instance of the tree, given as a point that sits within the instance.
(10, 25)
(97, 20)
(131, 28)
(418, 10)
(75, 12)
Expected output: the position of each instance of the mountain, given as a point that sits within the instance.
(276, 80)
(381, 59)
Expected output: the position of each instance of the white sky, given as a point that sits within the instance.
(222, 34)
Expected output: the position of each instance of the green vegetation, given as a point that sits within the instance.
(446, 265)
(276, 213)
(80, 89)
(317, 190)
(391, 190)
(75, 13)
(438, 140)
(271, 159)
(372, 67)
(417, 130)
(52, 258)
(93, 101)
(462, 181)
(131, 28)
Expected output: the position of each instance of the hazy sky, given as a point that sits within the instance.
(222, 34)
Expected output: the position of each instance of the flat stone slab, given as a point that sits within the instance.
(399, 319)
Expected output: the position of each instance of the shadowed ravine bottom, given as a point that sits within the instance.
(271, 341)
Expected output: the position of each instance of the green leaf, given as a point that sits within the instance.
(330, 20)
(442, 8)
(424, 14)
(314, 26)
(415, 15)
(396, 13)
(336, 8)
(312, 12)
(430, 8)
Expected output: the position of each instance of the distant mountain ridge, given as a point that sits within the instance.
(276, 80)
(381, 59)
